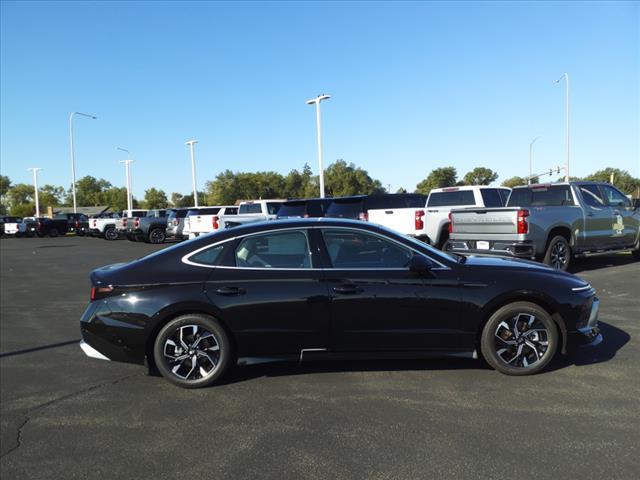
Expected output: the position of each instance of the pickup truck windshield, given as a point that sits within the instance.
(448, 199)
(541, 196)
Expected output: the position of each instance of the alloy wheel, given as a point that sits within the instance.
(111, 234)
(157, 236)
(192, 352)
(521, 341)
(559, 255)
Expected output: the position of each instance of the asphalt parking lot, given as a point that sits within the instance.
(67, 416)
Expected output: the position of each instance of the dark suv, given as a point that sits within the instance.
(304, 208)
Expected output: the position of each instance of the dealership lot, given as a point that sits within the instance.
(68, 416)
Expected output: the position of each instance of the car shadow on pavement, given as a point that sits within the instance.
(602, 261)
(613, 340)
(37, 349)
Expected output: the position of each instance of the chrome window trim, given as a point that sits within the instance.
(186, 258)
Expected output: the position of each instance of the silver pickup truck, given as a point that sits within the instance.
(550, 223)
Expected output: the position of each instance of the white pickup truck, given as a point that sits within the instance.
(402, 212)
(202, 220)
(105, 226)
(252, 211)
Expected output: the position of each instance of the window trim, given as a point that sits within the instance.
(186, 258)
(301, 230)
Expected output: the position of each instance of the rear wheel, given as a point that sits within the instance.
(53, 232)
(558, 254)
(110, 233)
(157, 235)
(192, 351)
(519, 339)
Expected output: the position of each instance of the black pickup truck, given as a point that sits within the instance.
(77, 223)
(150, 229)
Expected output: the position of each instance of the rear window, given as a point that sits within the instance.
(177, 214)
(250, 208)
(230, 210)
(491, 197)
(453, 198)
(293, 209)
(204, 211)
(351, 208)
(379, 202)
(541, 196)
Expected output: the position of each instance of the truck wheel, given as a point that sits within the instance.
(157, 235)
(558, 254)
(110, 233)
(53, 232)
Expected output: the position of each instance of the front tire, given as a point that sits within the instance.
(192, 351)
(520, 338)
(558, 254)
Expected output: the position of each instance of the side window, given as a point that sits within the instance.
(592, 196)
(208, 256)
(351, 249)
(615, 197)
(274, 250)
(491, 197)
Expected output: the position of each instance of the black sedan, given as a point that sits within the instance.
(311, 288)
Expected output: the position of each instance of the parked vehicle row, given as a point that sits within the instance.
(43, 226)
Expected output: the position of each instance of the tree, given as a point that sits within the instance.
(438, 178)
(90, 191)
(401, 190)
(116, 198)
(622, 179)
(480, 176)
(23, 209)
(50, 196)
(342, 179)
(20, 194)
(154, 198)
(514, 182)
(5, 184)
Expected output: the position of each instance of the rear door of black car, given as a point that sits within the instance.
(269, 292)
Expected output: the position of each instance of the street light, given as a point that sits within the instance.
(35, 171)
(193, 172)
(317, 101)
(73, 155)
(530, 159)
(127, 164)
(566, 78)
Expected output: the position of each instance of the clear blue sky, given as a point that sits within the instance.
(415, 86)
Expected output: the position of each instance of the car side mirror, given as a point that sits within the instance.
(420, 264)
(635, 203)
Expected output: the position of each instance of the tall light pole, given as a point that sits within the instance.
(317, 101)
(531, 159)
(566, 78)
(35, 171)
(73, 155)
(193, 172)
(127, 165)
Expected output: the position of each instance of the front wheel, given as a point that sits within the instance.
(192, 351)
(157, 235)
(53, 232)
(558, 254)
(519, 339)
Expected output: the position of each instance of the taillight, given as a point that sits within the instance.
(214, 222)
(95, 222)
(450, 227)
(136, 222)
(306, 215)
(77, 223)
(124, 222)
(175, 222)
(364, 216)
(522, 224)
(100, 292)
(419, 223)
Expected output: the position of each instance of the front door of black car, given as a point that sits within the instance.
(378, 304)
(268, 293)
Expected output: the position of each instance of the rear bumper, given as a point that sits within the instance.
(91, 352)
(524, 249)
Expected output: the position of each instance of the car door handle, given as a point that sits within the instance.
(230, 291)
(347, 289)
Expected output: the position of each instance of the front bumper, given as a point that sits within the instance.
(524, 249)
(588, 334)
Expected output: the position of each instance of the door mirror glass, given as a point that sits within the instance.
(420, 264)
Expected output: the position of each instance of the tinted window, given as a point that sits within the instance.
(293, 209)
(250, 208)
(615, 197)
(230, 210)
(177, 214)
(592, 196)
(448, 199)
(541, 196)
(204, 211)
(346, 208)
(208, 256)
(272, 208)
(350, 249)
(504, 195)
(274, 250)
(491, 197)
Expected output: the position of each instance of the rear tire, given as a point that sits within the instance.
(520, 338)
(558, 254)
(157, 235)
(192, 351)
(53, 232)
(110, 233)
